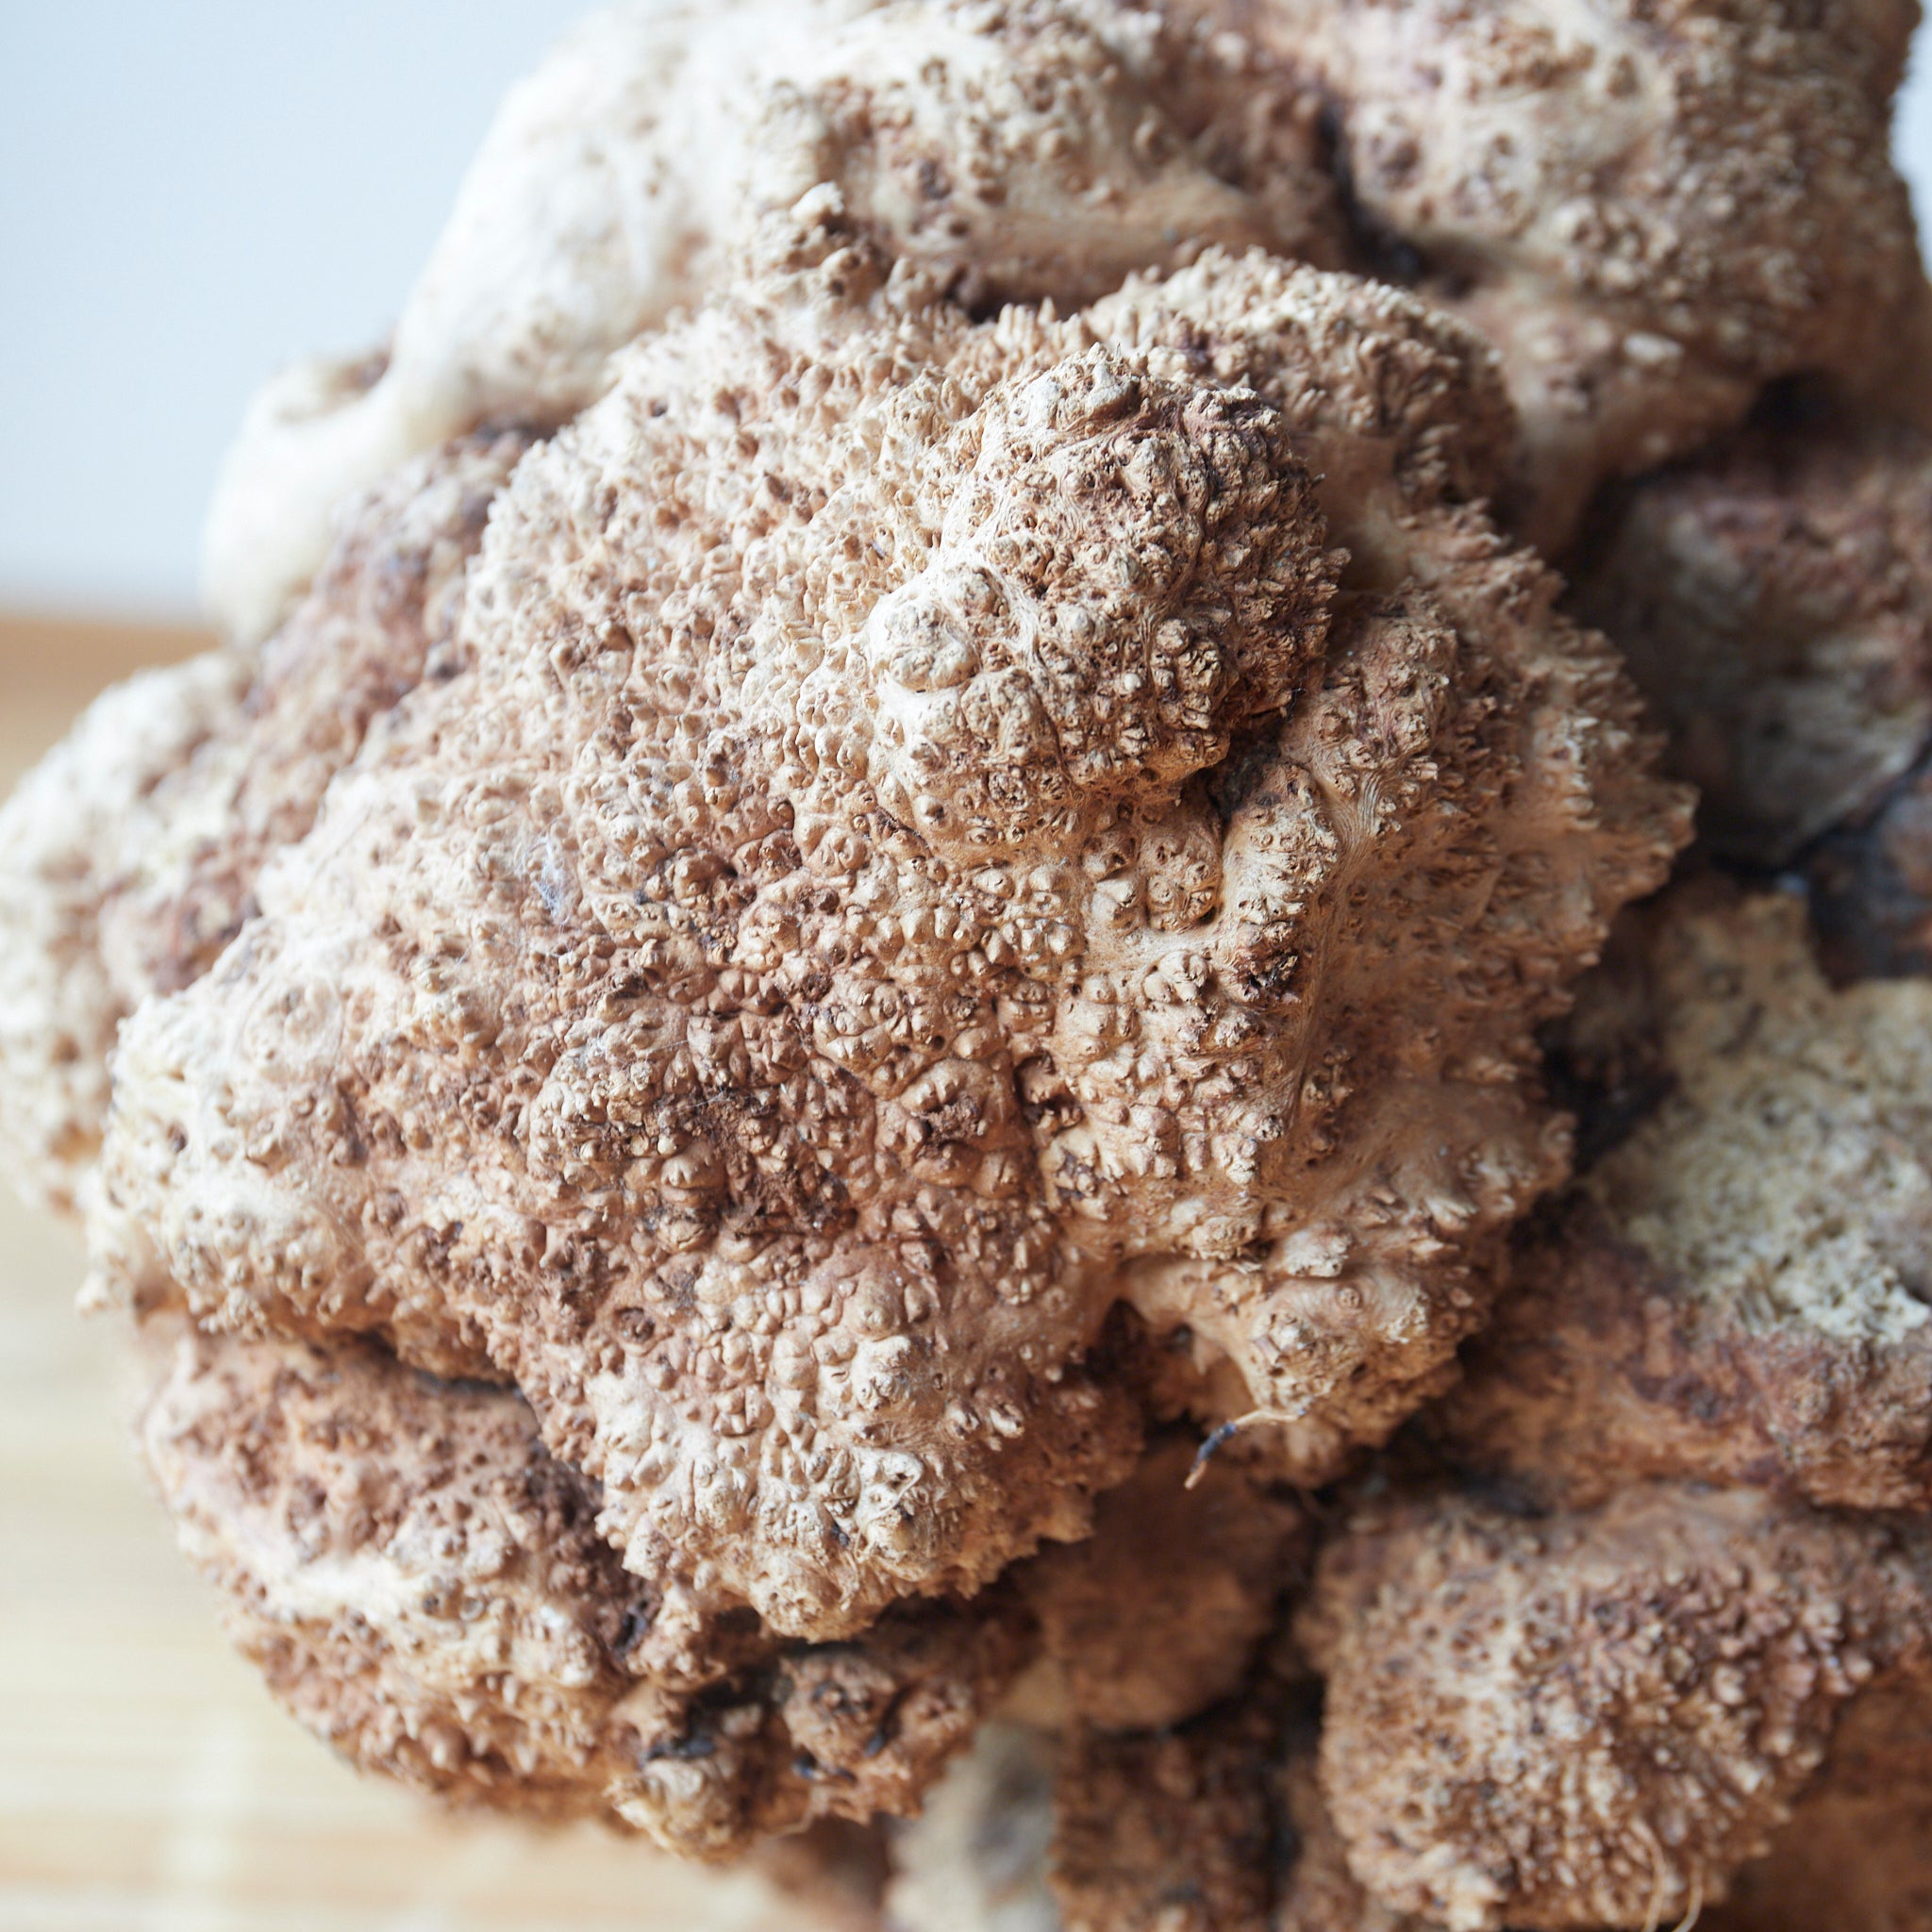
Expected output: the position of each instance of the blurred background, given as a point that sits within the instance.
(192, 196)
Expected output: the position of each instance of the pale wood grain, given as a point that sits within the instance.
(147, 1783)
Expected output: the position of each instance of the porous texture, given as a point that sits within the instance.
(1037, 149)
(1649, 209)
(867, 970)
(1590, 1720)
(80, 820)
(1736, 1292)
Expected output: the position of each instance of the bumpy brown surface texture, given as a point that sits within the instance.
(1650, 210)
(1042, 149)
(821, 1026)
(1590, 1720)
(423, 1585)
(1776, 601)
(1857, 1856)
(795, 976)
(735, 939)
(1166, 1833)
(127, 860)
(1736, 1292)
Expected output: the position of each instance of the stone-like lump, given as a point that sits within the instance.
(922, 847)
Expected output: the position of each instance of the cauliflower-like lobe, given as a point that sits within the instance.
(1650, 210)
(78, 822)
(1734, 1293)
(423, 1586)
(1038, 149)
(1775, 602)
(921, 849)
(129, 857)
(1589, 1720)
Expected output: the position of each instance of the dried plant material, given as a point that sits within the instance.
(423, 1585)
(793, 981)
(128, 858)
(850, 970)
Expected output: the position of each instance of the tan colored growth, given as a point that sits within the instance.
(1018, 151)
(907, 835)
(1776, 601)
(1650, 208)
(1587, 1721)
(850, 960)
(1736, 1292)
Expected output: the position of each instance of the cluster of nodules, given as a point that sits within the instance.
(899, 1062)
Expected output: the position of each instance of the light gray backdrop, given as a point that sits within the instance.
(193, 192)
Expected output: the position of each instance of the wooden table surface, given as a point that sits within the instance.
(147, 1783)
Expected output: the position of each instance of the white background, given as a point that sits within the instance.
(194, 191)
